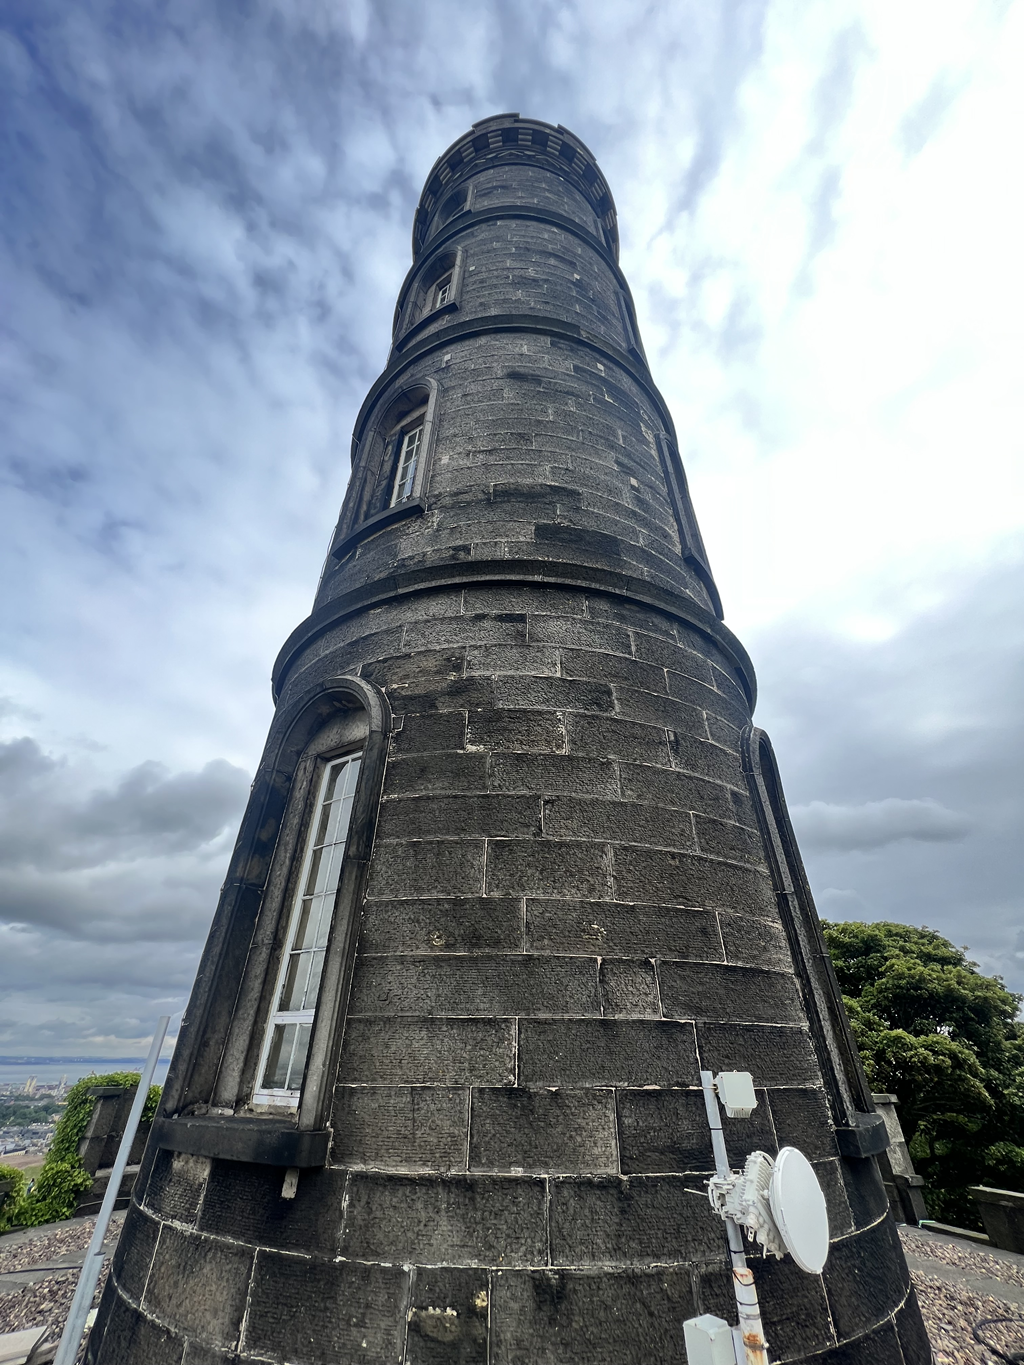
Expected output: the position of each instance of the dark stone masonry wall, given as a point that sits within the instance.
(568, 909)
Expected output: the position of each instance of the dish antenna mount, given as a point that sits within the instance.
(776, 1201)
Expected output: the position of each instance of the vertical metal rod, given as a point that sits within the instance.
(71, 1337)
(749, 1336)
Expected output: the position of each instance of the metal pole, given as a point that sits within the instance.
(749, 1336)
(71, 1337)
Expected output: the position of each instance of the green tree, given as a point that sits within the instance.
(945, 1040)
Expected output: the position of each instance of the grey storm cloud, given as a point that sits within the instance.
(47, 821)
(874, 824)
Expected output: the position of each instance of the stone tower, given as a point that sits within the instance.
(515, 864)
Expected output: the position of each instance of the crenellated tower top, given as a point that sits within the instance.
(506, 139)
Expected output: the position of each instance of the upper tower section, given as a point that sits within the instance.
(516, 433)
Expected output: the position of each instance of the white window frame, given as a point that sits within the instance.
(311, 914)
(408, 453)
(443, 289)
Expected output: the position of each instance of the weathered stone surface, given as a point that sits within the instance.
(666, 1131)
(448, 1315)
(543, 1131)
(744, 994)
(317, 1312)
(467, 924)
(485, 985)
(600, 1052)
(559, 1317)
(457, 1220)
(244, 1202)
(775, 1054)
(644, 1220)
(200, 1284)
(428, 1052)
(133, 1258)
(865, 1279)
(400, 1127)
(605, 927)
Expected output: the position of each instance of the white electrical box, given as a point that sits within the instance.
(736, 1091)
(709, 1341)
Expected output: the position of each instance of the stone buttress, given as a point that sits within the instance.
(569, 882)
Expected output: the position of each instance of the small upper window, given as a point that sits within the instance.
(407, 455)
(443, 291)
(291, 1022)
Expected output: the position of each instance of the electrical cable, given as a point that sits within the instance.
(1017, 1358)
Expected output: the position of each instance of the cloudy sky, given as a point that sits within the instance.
(205, 220)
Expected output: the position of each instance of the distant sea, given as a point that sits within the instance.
(48, 1070)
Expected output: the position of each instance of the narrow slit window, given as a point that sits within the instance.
(409, 443)
(443, 291)
(295, 996)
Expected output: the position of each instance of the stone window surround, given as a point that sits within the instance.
(860, 1131)
(379, 481)
(417, 310)
(205, 1110)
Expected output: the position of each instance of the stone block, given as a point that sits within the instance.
(567, 817)
(431, 733)
(616, 737)
(865, 1190)
(542, 1131)
(428, 1052)
(504, 628)
(175, 1186)
(516, 731)
(720, 993)
(629, 988)
(866, 1278)
(546, 867)
(444, 816)
(123, 1334)
(617, 930)
(312, 1312)
(575, 633)
(692, 754)
(421, 666)
(751, 942)
(650, 709)
(506, 597)
(460, 694)
(599, 1052)
(613, 668)
(527, 660)
(774, 1054)
(910, 1330)
(677, 790)
(436, 772)
(698, 693)
(426, 867)
(454, 1220)
(553, 774)
(134, 1254)
(802, 1119)
(666, 1131)
(829, 1173)
(468, 924)
(721, 732)
(724, 839)
(560, 1317)
(632, 615)
(668, 654)
(243, 1201)
(400, 1127)
(639, 1220)
(480, 984)
(554, 694)
(448, 1317)
(200, 1284)
(667, 878)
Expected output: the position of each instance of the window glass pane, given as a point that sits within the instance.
(279, 1058)
(406, 472)
(298, 1059)
(290, 1025)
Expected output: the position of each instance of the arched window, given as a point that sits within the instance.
(391, 466)
(434, 293)
(257, 1053)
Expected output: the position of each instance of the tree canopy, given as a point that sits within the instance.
(946, 1041)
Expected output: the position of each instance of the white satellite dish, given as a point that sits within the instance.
(798, 1207)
